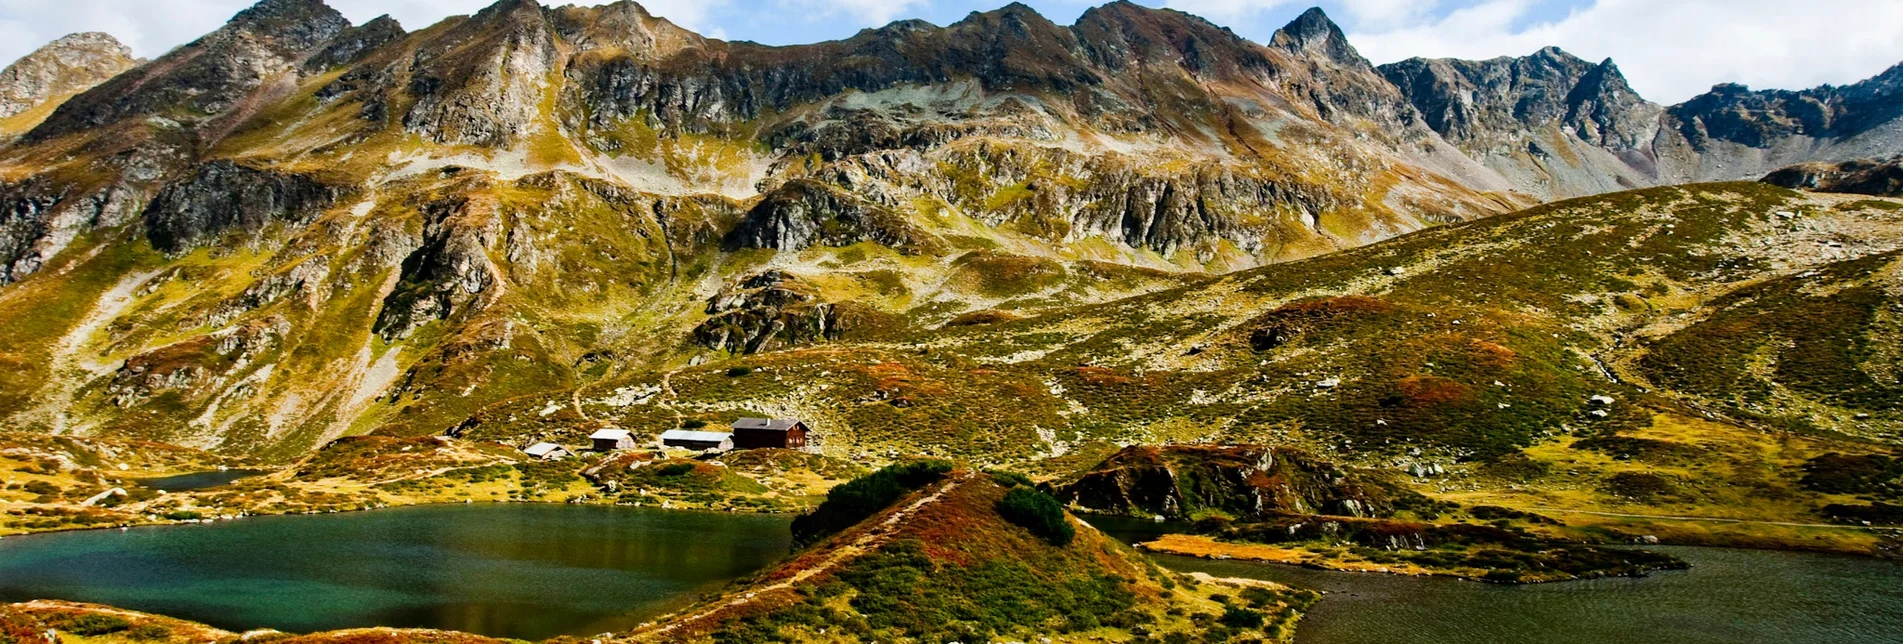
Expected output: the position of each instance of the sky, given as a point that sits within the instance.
(1670, 50)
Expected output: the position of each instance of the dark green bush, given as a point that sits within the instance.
(737, 372)
(853, 501)
(1037, 512)
(1239, 617)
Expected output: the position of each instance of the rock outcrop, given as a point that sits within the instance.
(1247, 482)
(1484, 104)
(452, 272)
(225, 195)
(1882, 178)
(766, 311)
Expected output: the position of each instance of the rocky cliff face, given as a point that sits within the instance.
(223, 195)
(1560, 126)
(1248, 482)
(1882, 178)
(1488, 104)
(62, 68)
(764, 312)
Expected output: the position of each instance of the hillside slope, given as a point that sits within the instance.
(943, 564)
(296, 228)
(1549, 356)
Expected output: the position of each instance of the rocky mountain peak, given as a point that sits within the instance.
(482, 82)
(66, 66)
(622, 27)
(1481, 104)
(1313, 33)
(1015, 21)
(204, 79)
(291, 26)
(1604, 110)
(1120, 34)
(355, 42)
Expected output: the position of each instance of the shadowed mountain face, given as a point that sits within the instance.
(296, 228)
(1879, 177)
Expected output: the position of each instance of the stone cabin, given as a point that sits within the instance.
(547, 451)
(757, 433)
(610, 439)
(697, 440)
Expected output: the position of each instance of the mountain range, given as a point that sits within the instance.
(295, 228)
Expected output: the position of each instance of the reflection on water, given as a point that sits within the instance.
(525, 571)
(198, 480)
(1728, 597)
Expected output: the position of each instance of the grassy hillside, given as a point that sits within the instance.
(944, 563)
(1527, 359)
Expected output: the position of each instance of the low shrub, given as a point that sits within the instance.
(91, 624)
(20, 628)
(1009, 479)
(150, 632)
(1878, 513)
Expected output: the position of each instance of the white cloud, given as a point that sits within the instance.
(1230, 11)
(861, 13)
(1671, 51)
(151, 28)
(1387, 13)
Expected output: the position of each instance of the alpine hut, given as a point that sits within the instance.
(611, 439)
(547, 451)
(756, 433)
(697, 440)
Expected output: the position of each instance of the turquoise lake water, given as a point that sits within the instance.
(509, 570)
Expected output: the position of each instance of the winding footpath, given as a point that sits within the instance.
(840, 554)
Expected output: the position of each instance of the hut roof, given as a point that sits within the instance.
(769, 424)
(542, 449)
(691, 435)
(611, 434)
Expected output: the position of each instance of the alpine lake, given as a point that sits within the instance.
(533, 571)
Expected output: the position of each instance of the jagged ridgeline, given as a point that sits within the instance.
(296, 228)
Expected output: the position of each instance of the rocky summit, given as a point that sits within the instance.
(64, 67)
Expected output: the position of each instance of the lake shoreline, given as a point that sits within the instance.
(391, 506)
(1205, 547)
(1729, 595)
